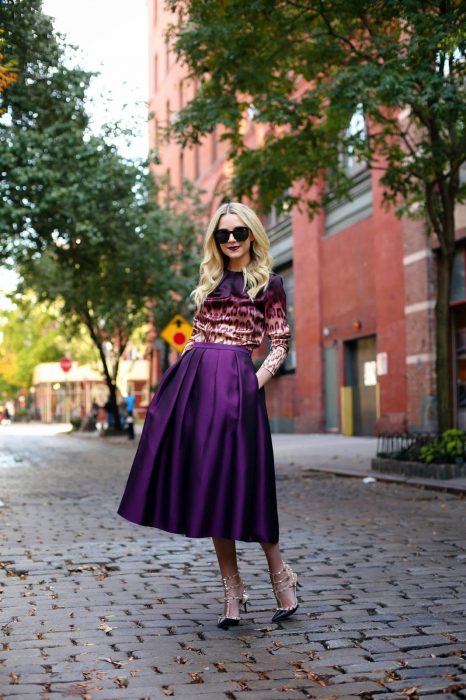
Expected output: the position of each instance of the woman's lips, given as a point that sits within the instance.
(235, 247)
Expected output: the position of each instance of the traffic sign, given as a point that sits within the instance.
(177, 332)
(66, 363)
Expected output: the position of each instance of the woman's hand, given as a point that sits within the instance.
(263, 376)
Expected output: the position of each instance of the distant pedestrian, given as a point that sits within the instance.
(130, 425)
(205, 463)
(130, 402)
(95, 409)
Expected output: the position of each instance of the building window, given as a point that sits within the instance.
(356, 129)
(167, 113)
(277, 216)
(341, 213)
(155, 6)
(458, 278)
(167, 55)
(279, 227)
(273, 218)
(156, 72)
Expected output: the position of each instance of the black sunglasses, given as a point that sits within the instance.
(240, 233)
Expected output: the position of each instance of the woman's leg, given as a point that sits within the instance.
(228, 564)
(275, 562)
(226, 555)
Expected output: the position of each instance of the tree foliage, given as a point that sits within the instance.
(113, 255)
(44, 123)
(304, 68)
(80, 223)
(119, 256)
(301, 70)
(31, 333)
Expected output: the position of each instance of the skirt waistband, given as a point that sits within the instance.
(222, 346)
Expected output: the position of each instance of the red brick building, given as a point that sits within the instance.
(360, 288)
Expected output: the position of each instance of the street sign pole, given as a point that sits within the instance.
(66, 363)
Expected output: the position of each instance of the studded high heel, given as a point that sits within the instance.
(227, 620)
(288, 578)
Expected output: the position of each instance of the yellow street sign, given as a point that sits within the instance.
(177, 332)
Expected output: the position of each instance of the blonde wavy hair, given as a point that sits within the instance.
(256, 274)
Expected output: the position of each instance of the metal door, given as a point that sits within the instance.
(361, 370)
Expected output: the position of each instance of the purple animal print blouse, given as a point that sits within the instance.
(229, 316)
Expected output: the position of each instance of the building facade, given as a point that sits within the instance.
(60, 396)
(360, 286)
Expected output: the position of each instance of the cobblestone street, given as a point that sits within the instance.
(95, 607)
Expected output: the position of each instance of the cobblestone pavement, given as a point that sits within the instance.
(95, 607)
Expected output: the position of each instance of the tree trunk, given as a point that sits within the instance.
(114, 405)
(443, 339)
(165, 357)
(86, 317)
(114, 395)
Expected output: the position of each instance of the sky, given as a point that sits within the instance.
(112, 38)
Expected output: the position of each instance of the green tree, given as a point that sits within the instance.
(305, 68)
(44, 122)
(32, 333)
(119, 258)
(80, 223)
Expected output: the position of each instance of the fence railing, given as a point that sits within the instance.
(395, 443)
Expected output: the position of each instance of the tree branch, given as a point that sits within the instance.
(87, 318)
(345, 40)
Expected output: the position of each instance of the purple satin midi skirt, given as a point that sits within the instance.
(204, 466)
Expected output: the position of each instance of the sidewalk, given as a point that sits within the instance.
(346, 456)
(335, 454)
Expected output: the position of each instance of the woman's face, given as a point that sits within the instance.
(237, 251)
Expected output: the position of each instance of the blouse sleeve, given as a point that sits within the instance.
(195, 335)
(276, 325)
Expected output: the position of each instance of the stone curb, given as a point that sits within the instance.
(432, 484)
(388, 465)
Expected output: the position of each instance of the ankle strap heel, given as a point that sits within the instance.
(281, 580)
(227, 620)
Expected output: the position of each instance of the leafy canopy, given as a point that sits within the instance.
(79, 222)
(31, 333)
(303, 68)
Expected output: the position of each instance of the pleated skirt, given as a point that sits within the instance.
(204, 466)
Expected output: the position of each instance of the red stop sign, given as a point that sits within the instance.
(65, 364)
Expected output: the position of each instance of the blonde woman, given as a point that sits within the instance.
(205, 465)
